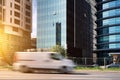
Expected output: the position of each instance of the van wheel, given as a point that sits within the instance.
(24, 69)
(65, 69)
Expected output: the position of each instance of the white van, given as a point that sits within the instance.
(30, 61)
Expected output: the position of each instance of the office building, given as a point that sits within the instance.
(15, 26)
(108, 29)
(67, 23)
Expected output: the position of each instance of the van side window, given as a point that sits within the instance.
(54, 56)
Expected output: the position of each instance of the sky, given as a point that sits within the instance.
(34, 18)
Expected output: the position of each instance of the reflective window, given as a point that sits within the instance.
(103, 31)
(117, 45)
(114, 29)
(103, 39)
(111, 38)
(109, 30)
(109, 46)
(114, 38)
(111, 13)
(103, 46)
(111, 4)
(111, 21)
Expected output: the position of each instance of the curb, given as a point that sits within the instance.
(95, 71)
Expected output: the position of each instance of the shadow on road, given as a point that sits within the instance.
(79, 73)
(74, 73)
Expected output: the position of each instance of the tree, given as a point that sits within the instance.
(5, 58)
(59, 49)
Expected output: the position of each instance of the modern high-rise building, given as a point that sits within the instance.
(93, 25)
(15, 26)
(108, 29)
(68, 23)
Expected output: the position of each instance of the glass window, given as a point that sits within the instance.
(111, 13)
(117, 45)
(11, 5)
(103, 46)
(56, 56)
(117, 20)
(17, 7)
(10, 12)
(1, 2)
(18, 1)
(111, 21)
(15, 29)
(28, 20)
(103, 39)
(109, 4)
(28, 13)
(28, 7)
(117, 2)
(114, 29)
(103, 31)
(17, 14)
(16, 21)
(112, 45)
(114, 38)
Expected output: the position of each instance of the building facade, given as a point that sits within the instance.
(93, 25)
(65, 22)
(15, 26)
(33, 43)
(108, 29)
(50, 15)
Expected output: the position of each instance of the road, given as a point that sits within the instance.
(78, 75)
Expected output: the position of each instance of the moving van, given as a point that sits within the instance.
(30, 61)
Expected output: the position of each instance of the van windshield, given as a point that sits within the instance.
(56, 56)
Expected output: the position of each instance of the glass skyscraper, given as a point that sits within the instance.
(51, 14)
(108, 30)
(68, 23)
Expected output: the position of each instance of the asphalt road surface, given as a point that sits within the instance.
(77, 75)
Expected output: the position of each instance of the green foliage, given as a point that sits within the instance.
(97, 68)
(6, 67)
(88, 68)
(112, 69)
(59, 49)
(6, 58)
